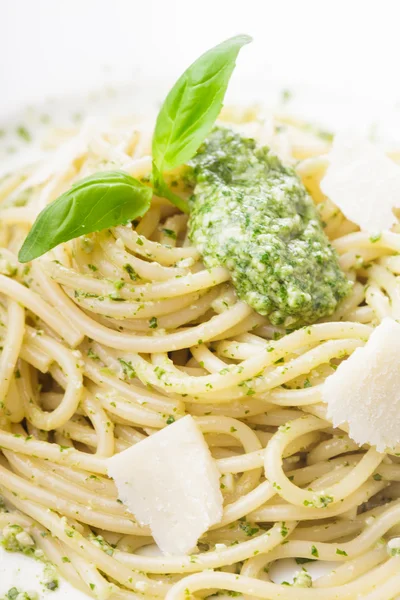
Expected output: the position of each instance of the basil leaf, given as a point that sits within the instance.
(92, 204)
(192, 106)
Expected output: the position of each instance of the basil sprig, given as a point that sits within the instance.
(112, 198)
(97, 202)
(191, 108)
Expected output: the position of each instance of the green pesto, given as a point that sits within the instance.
(12, 540)
(252, 215)
(16, 594)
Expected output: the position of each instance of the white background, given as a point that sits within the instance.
(346, 53)
(346, 47)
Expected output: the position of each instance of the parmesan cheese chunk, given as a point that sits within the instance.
(170, 482)
(364, 391)
(363, 182)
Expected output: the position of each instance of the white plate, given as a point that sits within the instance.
(20, 146)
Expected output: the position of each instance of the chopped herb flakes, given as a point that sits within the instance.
(92, 354)
(302, 561)
(131, 272)
(159, 372)
(153, 324)
(101, 543)
(52, 585)
(15, 539)
(16, 594)
(375, 237)
(127, 368)
(24, 134)
(302, 579)
(248, 529)
(286, 95)
(169, 233)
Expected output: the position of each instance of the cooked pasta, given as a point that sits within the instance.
(112, 336)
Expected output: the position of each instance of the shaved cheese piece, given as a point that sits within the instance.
(363, 182)
(364, 391)
(170, 482)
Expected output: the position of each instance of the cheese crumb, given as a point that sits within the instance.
(393, 547)
(24, 539)
(170, 482)
(302, 579)
(364, 391)
(142, 586)
(220, 547)
(363, 182)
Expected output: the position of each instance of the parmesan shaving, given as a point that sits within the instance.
(170, 482)
(364, 391)
(363, 182)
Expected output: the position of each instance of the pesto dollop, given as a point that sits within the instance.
(252, 215)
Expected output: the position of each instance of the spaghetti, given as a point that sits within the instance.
(110, 337)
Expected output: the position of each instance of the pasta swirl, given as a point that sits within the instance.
(111, 337)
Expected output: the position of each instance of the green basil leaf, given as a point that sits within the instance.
(192, 106)
(97, 202)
